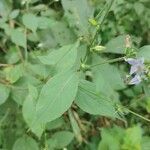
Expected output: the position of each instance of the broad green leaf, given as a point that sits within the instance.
(63, 58)
(107, 79)
(56, 96)
(91, 102)
(103, 86)
(144, 52)
(113, 76)
(116, 45)
(62, 139)
(18, 37)
(4, 93)
(30, 21)
(25, 143)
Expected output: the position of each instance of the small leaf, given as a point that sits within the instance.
(111, 138)
(45, 22)
(14, 14)
(57, 123)
(13, 73)
(30, 21)
(4, 93)
(12, 56)
(133, 138)
(25, 143)
(18, 37)
(61, 138)
(29, 111)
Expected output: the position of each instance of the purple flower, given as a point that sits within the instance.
(135, 80)
(137, 69)
(137, 65)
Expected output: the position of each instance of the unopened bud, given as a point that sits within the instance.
(93, 22)
(98, 48)
(84, 67)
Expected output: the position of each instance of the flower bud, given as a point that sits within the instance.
(98, 48)
(93, 22)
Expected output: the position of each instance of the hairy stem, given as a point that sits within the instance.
(108, 61)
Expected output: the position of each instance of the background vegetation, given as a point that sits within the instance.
(64, 75)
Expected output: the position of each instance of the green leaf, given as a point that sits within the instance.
(56, 96)
(5, 8)
(20, 90)
(57, 123)
(58, 35)
(116, 45)
(62, 139)
(29, 110)
(111, 138)
(132, 139)
(30, 21)
(107, 78)
(12, 56)
(14, 14)
(63, 58)
(139, 8)
(18, 37)
(144, 52)
(145, 143)
(13, 73)
(78, 13)
(25, 143)
(29, 104)
(45, 22)
(91, 102)
(4, 93)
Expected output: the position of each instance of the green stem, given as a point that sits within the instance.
(26, 51)
(4, 117)
(108, 61)
(101, 23)
(138, 115)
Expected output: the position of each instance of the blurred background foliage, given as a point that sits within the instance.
(31, 28)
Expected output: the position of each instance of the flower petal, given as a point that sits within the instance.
(133, 69)
(141, 60)
(131, 61)
(135, 80)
